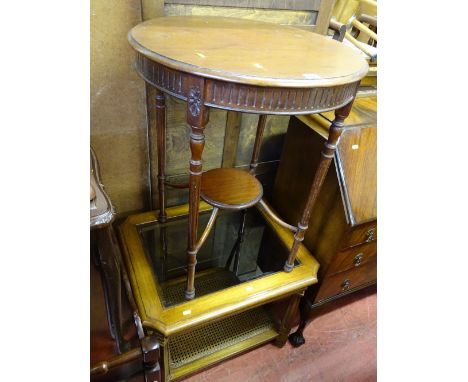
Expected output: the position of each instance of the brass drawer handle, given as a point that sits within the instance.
(345, 285)
(358, 259)
(370, 234)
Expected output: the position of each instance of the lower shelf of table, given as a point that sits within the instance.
(192, 351)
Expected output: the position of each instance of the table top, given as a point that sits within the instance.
(247, 51)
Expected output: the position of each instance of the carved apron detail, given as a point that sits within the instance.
(194, 101)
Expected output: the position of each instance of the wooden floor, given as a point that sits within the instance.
(340, 346)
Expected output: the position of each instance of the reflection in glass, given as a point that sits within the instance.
(232, 253)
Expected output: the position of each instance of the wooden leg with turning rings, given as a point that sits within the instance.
(161, 149)
(160, 104)
(327, 155)
(197, 118)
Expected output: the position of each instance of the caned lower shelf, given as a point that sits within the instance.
(230, 188)
(212, 343)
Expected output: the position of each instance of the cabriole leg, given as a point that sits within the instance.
(286, 323)
(297, 338)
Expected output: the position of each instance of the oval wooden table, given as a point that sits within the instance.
(244, 66)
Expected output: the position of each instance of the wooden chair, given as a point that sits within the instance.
(362, 29)
(360, 33)
(308, 14)
(108, 258)
(144, 357)
(106, 251)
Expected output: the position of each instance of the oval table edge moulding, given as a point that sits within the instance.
(231, 90)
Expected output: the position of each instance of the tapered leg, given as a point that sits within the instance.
(253, 165)
(286, 323)
(161, 148)
(160, 103)
(197, 118)
(327, 155)
(258, 142)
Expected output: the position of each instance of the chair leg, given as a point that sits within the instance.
(111, 276)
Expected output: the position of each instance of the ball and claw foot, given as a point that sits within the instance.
(296, 339)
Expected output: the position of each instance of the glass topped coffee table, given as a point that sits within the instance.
(231, 311)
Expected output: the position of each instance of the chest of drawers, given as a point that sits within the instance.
(342, 232)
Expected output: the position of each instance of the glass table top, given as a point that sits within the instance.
(225, 259)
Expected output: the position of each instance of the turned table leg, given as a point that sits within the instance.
(197, 118)
(327, 155)
(258, 142)
(160, 103)
(253, 165)
(161, 148)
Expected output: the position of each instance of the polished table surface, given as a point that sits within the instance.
(247, 51)
(245, 66)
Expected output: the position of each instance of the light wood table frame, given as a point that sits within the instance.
(167, 322)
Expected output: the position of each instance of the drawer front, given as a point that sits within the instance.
(360, 234)
(353, 258)
(345, 281)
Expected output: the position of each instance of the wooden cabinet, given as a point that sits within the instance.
(342, 232)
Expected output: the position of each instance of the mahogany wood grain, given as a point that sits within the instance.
(258, 142)
(348, 280)
(341, 234)
(327, 155)
(244, 66)
(363, 233)
(230, 188)
(363, 113)
(353, 257)
(161, 148)
(197, 118)
(247, 51)
(120, 360)
(357, 156)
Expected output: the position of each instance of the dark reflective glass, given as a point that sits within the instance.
(225, 259)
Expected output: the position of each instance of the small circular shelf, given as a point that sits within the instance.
(230, 188)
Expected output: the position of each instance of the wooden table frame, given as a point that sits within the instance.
(311, 88)
(306, 89)
(202, 93)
